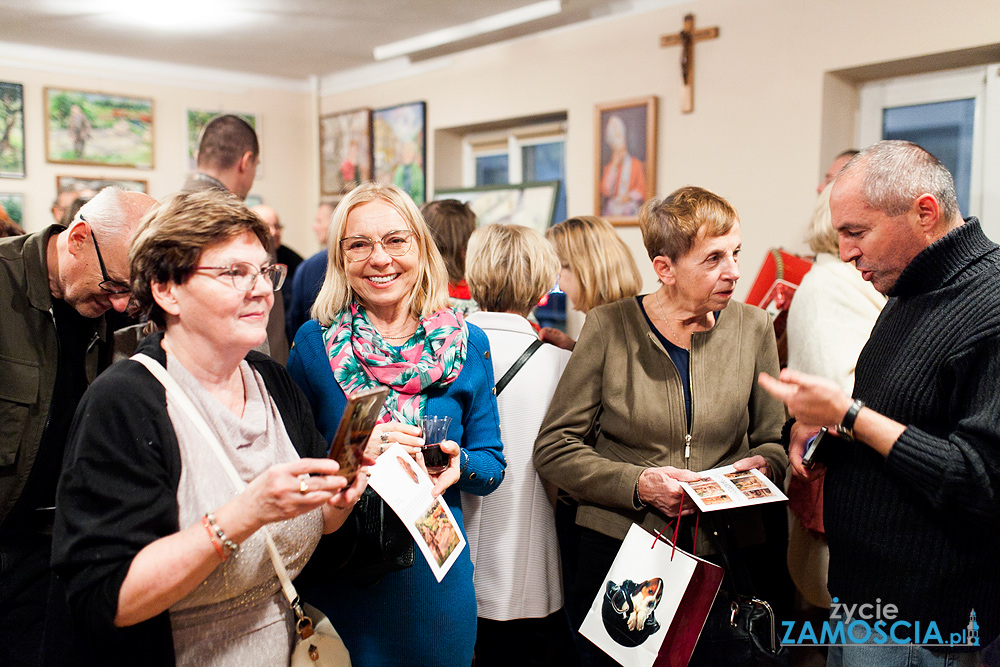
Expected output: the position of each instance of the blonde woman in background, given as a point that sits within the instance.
(512, 532)
(829, 321)
(597, 268)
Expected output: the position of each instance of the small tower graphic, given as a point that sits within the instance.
(973, 630)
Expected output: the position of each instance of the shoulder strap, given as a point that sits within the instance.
(183, 401)
(512, 371)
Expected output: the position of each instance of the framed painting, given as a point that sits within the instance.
(12, 204)
(625, 172)
(95, 128)
(11, 130)
(98, 184)
(345, 153)
(196, 122)
(399, 148)
(529, 204)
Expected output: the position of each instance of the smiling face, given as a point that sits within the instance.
(383, 283)
(209, 308)
(879, 245)
(705, 276)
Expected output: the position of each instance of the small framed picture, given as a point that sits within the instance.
(12, 204)
(95, 128)
(98, 184)
(625, 150)
(345, 154)
(399, 147)
(11, 130)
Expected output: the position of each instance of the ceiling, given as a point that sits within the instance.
(284, 38)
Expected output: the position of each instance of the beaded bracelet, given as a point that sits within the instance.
(227, 543)
(215, 542)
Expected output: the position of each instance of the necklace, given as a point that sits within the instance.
(656, 297)
(404, 337)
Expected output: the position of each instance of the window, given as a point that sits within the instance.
(522, 154)
(953, 115)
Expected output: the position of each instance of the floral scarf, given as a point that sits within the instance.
(362, 359)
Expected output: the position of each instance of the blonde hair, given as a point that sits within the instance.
(430, 293)
(509, 268)
(603, 265)
(821, 236)
(670, 226)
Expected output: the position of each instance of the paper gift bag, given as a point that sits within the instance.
(653, 604)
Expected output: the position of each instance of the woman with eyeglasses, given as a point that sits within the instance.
(382, 318)
(163, 558)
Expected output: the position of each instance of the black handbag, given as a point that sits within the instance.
(741, 629)
(372, 543)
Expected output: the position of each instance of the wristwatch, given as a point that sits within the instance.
(845, 428)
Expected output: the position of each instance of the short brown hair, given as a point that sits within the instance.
(510, 268)
(172, 238)
(451, 223)
(225, 140)
(603, 265)
(430, 294)
(670, 226)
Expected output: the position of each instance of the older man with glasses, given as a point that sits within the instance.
(55, 286)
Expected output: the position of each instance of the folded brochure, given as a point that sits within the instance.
(726, 488)
(406, 488)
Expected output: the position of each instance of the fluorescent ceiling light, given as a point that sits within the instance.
(171, 15)
(475, 28)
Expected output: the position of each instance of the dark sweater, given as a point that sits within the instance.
(118, 493)
(919, 529)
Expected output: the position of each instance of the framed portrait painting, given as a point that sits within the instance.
(625, 159)
(95, 128)
(196, 122)
(345, 155)
(399, 147)
(11, 130)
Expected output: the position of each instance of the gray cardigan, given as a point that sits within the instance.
(621, 375)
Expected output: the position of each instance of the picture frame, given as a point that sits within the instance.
(345, 150)
(625, 157)
(11, 130)
(13, 206)
(529, 204)
(196, 121)
(84, 127)
(399, 148)
(97, 184)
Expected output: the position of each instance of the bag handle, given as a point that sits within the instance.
(183, 401)
(732, 561)
(512, 371)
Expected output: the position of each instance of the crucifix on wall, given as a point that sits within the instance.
(687, 38)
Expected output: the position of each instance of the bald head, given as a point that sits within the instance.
(101, 233)
(270, 216)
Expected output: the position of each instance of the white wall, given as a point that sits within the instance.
(763, 129)
(286, 116)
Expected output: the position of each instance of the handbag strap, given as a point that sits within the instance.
(512, 371)
(183, 401)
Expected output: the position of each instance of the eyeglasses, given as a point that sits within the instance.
(108, 285)
(395, 243)
(244, 274)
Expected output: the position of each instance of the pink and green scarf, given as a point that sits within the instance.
(362, 359)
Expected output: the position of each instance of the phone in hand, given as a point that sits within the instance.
(355, 427)
(815, 447)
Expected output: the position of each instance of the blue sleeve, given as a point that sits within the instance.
(310, 368)
(482, 459)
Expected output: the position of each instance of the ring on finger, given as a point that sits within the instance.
(385, 438)
(303, 486)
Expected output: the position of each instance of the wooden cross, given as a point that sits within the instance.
(686, 38)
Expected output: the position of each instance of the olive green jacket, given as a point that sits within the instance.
(29, 349)
(621, 376)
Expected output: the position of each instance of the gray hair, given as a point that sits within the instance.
(896, 172)
(105, 213)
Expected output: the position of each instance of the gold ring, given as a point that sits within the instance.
(385, 438)
(303, 487)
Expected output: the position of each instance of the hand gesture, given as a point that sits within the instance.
(812, 400)
(385, 435)
(449, 475)
(659, 487)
